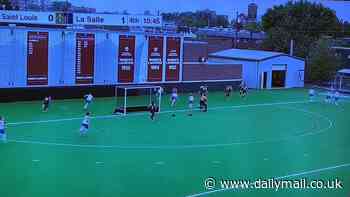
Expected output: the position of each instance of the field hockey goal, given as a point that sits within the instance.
(136, 98)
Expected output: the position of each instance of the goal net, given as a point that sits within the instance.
(342, 80)
(136, 98)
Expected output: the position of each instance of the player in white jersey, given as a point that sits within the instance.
(85, 124)
(173, 99)
(336, 97)
(88, 99)
(190, 104)
(312, 95)
(3, 137)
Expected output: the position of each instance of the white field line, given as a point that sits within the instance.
(162, 112)
(148, 147)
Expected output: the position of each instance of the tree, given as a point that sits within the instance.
(5, 4)
(302, 21)
(253, 27)
(323, 61)
(201, 18)
(61, 6)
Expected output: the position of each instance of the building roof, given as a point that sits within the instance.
(250, 55)
(231, 33)
(344, 71)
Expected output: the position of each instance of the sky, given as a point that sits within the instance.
(226, 7)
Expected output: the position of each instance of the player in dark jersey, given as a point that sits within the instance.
(46, 104)
(203, 103)
(243, 90)
(203, 90)
(152, 110)
(228, 90)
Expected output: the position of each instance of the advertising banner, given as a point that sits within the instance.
(155, 58)
(173, 59)
(126, 56)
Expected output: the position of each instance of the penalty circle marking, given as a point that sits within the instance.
(164, 147)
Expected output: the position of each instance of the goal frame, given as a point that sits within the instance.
(125, 89)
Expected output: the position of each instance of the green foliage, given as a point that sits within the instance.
(253, 27)
(323, 61)
(197, 19)
(302, 21)
(61, 5)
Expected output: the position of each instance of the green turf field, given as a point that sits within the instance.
(270, 134)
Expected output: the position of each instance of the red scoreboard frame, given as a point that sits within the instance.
(37, 58)
(85, 58)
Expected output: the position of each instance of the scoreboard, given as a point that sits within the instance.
(85, 56)
(37, 58)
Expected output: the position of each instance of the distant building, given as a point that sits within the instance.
(252, 12)
(226, 38)
(45, 4)
(242, 19)
(42, 5)
(81, 9)
(342, 49)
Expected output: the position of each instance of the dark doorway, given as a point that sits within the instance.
(265, 80)
(278, 78)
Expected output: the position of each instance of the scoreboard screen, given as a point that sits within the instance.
(37, 58)
(85, 57)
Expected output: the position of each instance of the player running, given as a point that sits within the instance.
(152, 110)
(228, 90)
(190, 104)
(3, 137)
(174, 97)
(336, 97)
(46, 103)
(328, 97)
(243, 90)
(85, 124)
(312, 95)
(203, 103)
(203, 90)
(88, 99)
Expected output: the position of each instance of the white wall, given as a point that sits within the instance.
(6, 42)
(56, 57)
(141, 47)
(13, 58)
(293, 67)
(106, 58)
(252, 70)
